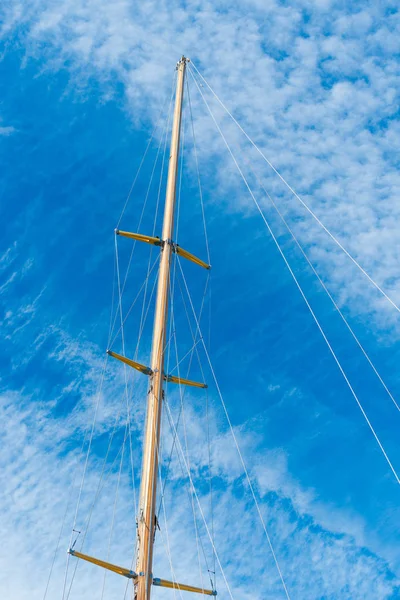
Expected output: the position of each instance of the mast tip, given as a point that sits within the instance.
(184, 60)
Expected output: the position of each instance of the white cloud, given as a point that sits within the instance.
(321, 106)
(320, 103)
(6, 130)
(37, 467)
(8, 256)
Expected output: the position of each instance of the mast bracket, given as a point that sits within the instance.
(189, 256)
(105, 565)
(181, 381)
(182, 587)
(156, 241)
(131, 363)
(139, 237)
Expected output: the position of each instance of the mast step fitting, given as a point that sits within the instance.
(189, 256)
(135, 365)
(181, 586)
(105, 565)
(148, 239)
(173, 379)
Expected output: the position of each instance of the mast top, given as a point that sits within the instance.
(184, 60)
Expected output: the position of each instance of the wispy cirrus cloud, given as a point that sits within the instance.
(36, 464)
(314, 86)
(6, 130)
(42, 439)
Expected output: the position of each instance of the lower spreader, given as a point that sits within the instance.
(134, 576)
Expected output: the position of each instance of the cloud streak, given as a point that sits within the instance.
(36, 466)
(316, 88)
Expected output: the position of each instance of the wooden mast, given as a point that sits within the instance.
(148, 486)
(143, 579)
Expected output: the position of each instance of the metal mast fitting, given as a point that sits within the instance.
(148, 486)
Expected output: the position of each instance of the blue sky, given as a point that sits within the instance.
(316, 85)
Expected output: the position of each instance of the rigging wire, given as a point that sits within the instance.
(69, 497)
(195, 348)
(128, 312)
(100, 486)
(112, 324)
(100, 483)
(133, 381)
(107, 475)
(72, 484)
(125, 366)
(182, 150)
(143, 323)
(199, 542)
(115, 504)
(235, 440)
(189, 352)
(112, 304)
(205, 288)
(167, 546)
(85, 469)
(181, 410)
(208, 286)
(195, 343)
(211, 493)
(165, 543)
(179, 446)
(198, 172)
(128, 419)
(141, 219)
(310, 211)
(144, 155)
(172, 334)
(208, 278)
(191, 499)
(87, 454)
(145, 311)
(377, 439)
(326, 289)
(163, 138)
(181, 395)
